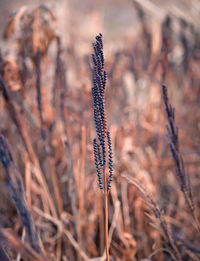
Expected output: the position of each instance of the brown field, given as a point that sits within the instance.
(51, 206)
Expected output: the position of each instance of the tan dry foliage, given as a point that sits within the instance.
(11, 74)
(32, 30)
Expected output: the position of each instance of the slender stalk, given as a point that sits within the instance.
(173, 140)
(103, 145)
(106, 201)
(196, 220)
(106, 221)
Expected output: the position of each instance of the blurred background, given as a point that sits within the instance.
(46, 115)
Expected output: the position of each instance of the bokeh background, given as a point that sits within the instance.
(45, 66)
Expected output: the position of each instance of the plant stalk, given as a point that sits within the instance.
(106, 216)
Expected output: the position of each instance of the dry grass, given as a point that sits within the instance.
(51, 207)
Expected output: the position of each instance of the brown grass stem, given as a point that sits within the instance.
(61, 228)
(106, 222)
(19, 122)
(25, 250)
(56, 185)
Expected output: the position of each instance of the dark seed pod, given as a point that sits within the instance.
(98, 95)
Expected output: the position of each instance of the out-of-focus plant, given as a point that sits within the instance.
(32, 30)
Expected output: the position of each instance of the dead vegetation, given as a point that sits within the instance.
(51, 207)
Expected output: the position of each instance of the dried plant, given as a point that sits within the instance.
(11, 74)
(21, 127)
(173, 140)
(38, 91)
(160, 218)
(11, 240)
(32, 30)
(49, 129)
(102, 153)
(17, 191)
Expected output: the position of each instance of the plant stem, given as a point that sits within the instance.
(106, 216)
(196, 220)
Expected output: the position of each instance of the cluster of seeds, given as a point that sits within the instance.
(98, 95)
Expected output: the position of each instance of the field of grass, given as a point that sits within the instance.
(71, 122)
